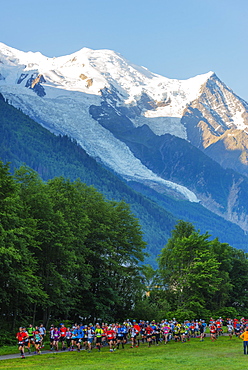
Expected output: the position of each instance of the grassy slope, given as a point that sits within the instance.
(193, 355)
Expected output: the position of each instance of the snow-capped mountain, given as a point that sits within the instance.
(105, 103)
(57, 92)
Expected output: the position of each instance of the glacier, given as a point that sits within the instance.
(63, 115)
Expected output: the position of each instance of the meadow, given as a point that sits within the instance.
(220, 355)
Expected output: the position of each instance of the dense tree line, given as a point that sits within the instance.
(65, 251)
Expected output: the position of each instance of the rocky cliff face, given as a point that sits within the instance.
(217, 123)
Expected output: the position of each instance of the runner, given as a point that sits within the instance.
(104, 336)
(42, 331)
(56, 337)
(230, 330)
(74, 338)
(197, 330)
(30, 331)
(177, 333)
(148, 331)
(213, 331)
(80, 337)
(192, 329)
(124, 330)
(157, 334)
(51, 331)
(26, 340)
(85, 338)
(111, 336)
(183, 334)
(237, 329)
(219, 326)
(166, 330)
(90, 336)
(133, 332)
(153, 326)
(202, 331)
(62, 338)
(21, 336)
(37, 341)
(143, 331)
(99, 333)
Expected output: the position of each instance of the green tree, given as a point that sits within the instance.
(189, 269)
(19, 286)
(55, 253)
(69, 201)
(115, 248)
(223, 253)
(127, 253)
(238, 297)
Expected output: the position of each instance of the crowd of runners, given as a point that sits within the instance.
(116, 336)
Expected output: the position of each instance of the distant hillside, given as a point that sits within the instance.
(24, 141)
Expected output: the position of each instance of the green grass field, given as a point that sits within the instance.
(220, 355)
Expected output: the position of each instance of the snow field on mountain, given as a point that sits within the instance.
(105, 67)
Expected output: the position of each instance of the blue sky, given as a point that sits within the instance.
(174, 38)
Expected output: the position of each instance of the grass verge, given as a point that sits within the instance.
(193, 355)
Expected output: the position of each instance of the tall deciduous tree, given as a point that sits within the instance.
(238, 298)
(60, 229)
(19, 283)
(190, 270)
(115, 248)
